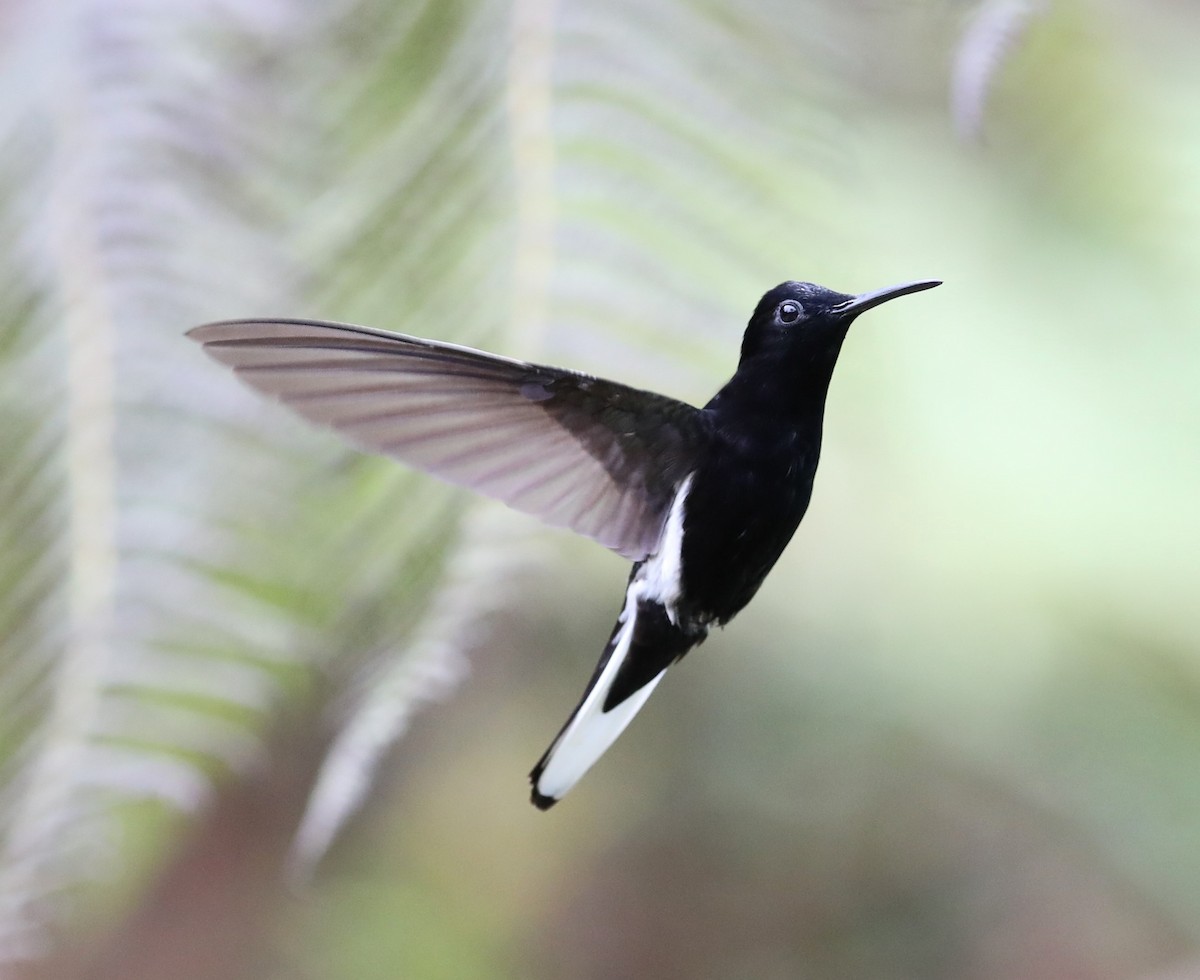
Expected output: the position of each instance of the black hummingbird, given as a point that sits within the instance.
(702, 500)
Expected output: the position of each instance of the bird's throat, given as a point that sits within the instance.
(787, 386)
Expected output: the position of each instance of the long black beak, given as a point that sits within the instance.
(864, 302)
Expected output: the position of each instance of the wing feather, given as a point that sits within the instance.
(598, 457)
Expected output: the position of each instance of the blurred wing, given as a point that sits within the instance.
(579, 452)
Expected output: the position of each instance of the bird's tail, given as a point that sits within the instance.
(644, 643)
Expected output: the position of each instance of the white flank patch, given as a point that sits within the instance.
(662, 573)
(593, 730)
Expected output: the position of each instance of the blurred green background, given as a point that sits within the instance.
(957, 735)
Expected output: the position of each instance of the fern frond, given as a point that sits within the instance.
(994, 33)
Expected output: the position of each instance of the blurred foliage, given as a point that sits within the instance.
(958, 733)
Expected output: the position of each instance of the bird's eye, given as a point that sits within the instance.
(789, 312)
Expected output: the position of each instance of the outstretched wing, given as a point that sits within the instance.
(600, 458)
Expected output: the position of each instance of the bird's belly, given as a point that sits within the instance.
(736, 529)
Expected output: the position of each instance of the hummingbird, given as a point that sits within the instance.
(703, 501)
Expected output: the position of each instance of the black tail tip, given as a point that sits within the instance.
(542, 802)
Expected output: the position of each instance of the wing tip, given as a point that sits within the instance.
(200, 333)
(219, 330)
(266, 328)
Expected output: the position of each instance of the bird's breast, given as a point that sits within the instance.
(741, 511)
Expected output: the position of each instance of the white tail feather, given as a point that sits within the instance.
(592, 730)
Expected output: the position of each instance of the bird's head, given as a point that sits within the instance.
(807, 319)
